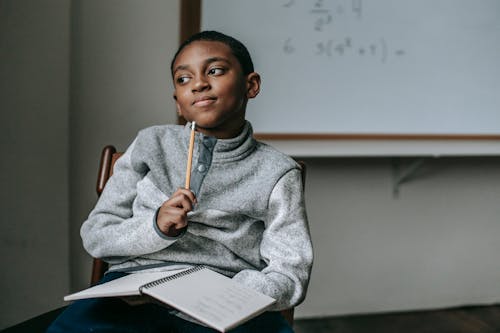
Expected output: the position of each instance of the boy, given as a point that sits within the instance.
(243, 216)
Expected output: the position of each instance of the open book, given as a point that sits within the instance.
(207, 296)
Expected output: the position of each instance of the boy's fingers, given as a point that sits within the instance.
(180, 200)
(171, 216)
(187, 193)
(173, 212)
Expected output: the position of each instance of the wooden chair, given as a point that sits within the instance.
(109, 156)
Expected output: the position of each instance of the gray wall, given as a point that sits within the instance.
(433, 246)
(34, 99)
(121, 52)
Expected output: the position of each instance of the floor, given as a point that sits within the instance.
(481, 319)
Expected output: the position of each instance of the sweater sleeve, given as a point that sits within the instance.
(122, 224)
(286, 246)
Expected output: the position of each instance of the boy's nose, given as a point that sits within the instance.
(200, 84)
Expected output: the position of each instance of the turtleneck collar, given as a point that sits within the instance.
(232, 149)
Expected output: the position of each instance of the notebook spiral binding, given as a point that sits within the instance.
(171, 277)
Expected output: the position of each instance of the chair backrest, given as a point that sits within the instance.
(109, 156)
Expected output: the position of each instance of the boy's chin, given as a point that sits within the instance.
(204, 125)
(207, 123)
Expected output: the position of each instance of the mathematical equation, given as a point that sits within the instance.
(346, 47)
(328, 12)
(324, 12)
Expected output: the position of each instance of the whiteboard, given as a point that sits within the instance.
(421, 67)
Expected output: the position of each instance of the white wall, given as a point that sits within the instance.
(34, 99)
(436, 245)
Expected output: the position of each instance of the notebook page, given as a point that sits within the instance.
(128, 285)
(211, 298)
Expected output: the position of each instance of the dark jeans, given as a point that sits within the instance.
(115, 315)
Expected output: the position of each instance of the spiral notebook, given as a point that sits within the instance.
(207, 296)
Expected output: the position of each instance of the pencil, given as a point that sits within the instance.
(190, 157)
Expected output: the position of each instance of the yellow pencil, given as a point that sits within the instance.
(190, 156)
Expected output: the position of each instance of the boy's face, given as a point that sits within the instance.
(211, 89)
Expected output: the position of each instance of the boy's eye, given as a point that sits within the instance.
(182, 79)
(216, 71)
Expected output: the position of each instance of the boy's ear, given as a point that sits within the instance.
(253, 84)
(177, 106)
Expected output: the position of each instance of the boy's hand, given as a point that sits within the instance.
(172, 216)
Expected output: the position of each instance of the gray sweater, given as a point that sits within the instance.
(249, 223)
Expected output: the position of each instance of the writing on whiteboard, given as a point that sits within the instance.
(325, 15)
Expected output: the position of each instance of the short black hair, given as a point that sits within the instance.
(237, 48)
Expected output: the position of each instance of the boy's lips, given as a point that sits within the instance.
(204, 100)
